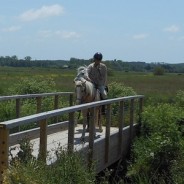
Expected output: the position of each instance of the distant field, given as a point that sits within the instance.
(143, 83)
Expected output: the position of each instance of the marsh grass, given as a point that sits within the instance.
(146, 84)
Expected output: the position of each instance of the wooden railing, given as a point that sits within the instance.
(38, 99)
(43, 117)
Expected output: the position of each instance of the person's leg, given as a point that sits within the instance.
(103, 95)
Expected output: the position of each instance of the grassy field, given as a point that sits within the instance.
(147, 84)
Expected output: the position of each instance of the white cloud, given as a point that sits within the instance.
(43, 12)
(11, 29)
(60, 34)
(67, 35)
(172, 29)
(140, 36)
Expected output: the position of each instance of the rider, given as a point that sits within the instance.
(97, 74)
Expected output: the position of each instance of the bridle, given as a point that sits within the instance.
(80, 86)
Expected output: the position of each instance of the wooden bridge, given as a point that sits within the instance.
(105, 148)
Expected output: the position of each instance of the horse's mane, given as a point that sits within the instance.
(82, 69)
(82, 72)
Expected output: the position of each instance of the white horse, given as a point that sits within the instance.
(86, 93)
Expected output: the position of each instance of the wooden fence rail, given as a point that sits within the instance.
(43, 117)
(38, 98)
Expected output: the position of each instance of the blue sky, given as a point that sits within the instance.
(128, 30)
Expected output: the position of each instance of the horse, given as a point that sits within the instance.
(86, 93)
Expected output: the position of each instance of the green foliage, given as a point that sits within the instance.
(158, 70)
(159, 145)
(119, 90)
(33, 85)
(7, 110)
(69, 168)
(180, 98)
(28, 106)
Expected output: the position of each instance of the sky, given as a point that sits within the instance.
(127, 30)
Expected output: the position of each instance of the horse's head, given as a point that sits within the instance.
(80, 90)
(81, 73)
(82, 86)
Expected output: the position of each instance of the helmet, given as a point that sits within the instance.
(98, 56)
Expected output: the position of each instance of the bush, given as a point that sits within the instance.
(120, 90)
(33, 85)
(159, 145)
(158, 71)
(28, 106)
(180, 98)
(69, 168)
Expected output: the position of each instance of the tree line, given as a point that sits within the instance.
(119, 65)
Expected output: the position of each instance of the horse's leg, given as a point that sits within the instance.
(88, 119)
(84, 113)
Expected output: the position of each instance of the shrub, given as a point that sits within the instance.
(159, 145)
(180, 98)
(69, 168)
(158, 71)
(33, 85)
(119, 90)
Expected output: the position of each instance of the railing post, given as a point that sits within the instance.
(17, 113)
(4, 148)
(56, 102)
(91, 136)
(71, 100)
(140, 110)
(43, 140)
(107, 133)
(18, 108)
(121, 125)
(71, 129)
(131, 118)
(39, 104)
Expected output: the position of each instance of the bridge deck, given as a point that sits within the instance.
(60, 140)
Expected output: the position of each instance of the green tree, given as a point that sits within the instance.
(158, 70)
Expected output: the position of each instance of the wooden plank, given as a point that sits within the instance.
(71, 129)
(61, 138)
(35, 133)
(38, 104)
(4, 148)
(121, 125)
(43, 139)
(4, 98)
(45, 115)
(91, 135)
(140, 110)
(131, 117)
(107, 132)
(56, 105)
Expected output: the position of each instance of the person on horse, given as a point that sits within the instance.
(97, 74)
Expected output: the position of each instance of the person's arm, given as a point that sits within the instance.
(88, 73)
(105, 76)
